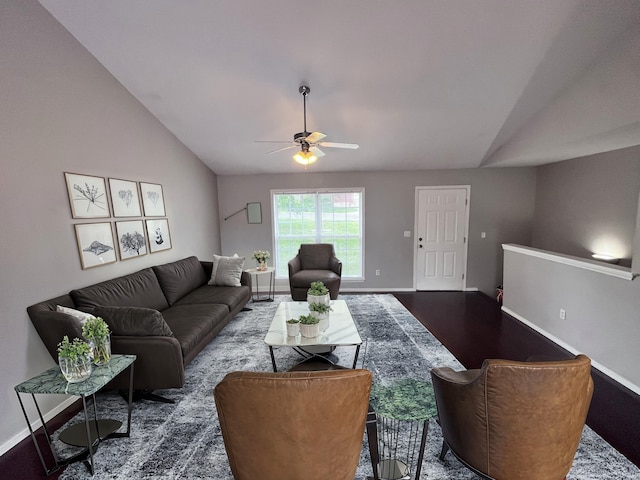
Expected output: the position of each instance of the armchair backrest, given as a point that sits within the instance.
(316, 256)
(293, 425)
(518, 420)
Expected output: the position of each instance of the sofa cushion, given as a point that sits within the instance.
(232, 297)
(303, 278)
(179, 278)
(133, 321)
(139, 289)
(191, 323)
(316, 256)
(226, 271)
(82, 317)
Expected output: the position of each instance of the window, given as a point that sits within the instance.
(322, 216)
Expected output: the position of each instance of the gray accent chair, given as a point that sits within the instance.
(315, 262)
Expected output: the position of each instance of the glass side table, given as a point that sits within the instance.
(269, 289)
(397, 413)
(90, 433)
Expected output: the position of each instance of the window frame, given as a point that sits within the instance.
(318, 191)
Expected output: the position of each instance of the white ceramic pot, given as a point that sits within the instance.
(310, 331)
(324, 299)
(293, 329)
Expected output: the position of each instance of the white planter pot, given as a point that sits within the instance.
(293, 329)
(324, 299)
(310, 331)
(324, 320)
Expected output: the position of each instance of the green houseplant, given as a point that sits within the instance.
(74, 358)
(321, 310)
(261, 256)
(96, 331)
(293, 327)
(309, 326)
(318, 293)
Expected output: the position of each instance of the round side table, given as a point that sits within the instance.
(402, 411)
(268, 277)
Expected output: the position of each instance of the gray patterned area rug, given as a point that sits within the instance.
(183, 440)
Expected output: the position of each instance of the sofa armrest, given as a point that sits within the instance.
(159, 363)
(336, 266)
(295, 265)
(245, 279)
(461, 410)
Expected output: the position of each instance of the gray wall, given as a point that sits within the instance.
(589, 204)
(62, 111)
(601, 311)
(502, 202)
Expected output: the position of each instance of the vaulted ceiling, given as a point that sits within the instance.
(418, 84)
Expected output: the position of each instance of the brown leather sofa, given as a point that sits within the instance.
(515, 420)
(165, 315)
(315, 262)
(299, 425)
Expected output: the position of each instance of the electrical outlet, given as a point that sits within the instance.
(563, 314)
(377, 273)
(407, 233)
(483, 234)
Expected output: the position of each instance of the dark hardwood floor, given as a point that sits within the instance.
(473, 328)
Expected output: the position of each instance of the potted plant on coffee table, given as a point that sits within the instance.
(318, 293)
(293, 327)
(96, 332)
(74, 358)
(321, 310)
(309, 326)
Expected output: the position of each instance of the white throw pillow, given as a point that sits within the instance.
(82, 316)
(226, 271)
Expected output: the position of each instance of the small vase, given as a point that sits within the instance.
(293, 329)
(262, 266)
(310, 331)
(101, 351)
(75, 370)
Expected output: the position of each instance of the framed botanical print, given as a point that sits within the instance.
(95, 244)
(158, 234)
(132, 241)
(125, 201)
(87, 196)
(152, 199)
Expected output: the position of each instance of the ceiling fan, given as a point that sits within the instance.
(308, 143)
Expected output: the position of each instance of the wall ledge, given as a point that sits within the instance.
(584, 263)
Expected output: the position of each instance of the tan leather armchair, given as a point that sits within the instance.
(315, 262)
(515, 420)
(296, 425)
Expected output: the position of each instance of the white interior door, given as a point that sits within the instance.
(441, 231)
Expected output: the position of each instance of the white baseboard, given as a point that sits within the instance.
(17, 438)
(610, 373)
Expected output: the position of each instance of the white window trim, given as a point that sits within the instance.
(294, 191)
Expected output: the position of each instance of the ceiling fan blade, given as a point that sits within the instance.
(282, 149)
(352, 146)
(316, 151)
(272, 141)
(315, 137)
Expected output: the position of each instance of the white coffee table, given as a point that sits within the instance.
(342, 330)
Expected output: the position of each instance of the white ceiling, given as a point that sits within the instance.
(419, 84)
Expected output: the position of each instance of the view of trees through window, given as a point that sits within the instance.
(328, 216)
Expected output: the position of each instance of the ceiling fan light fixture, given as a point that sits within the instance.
(305, 158)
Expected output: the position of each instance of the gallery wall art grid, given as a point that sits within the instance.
(128, 201)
